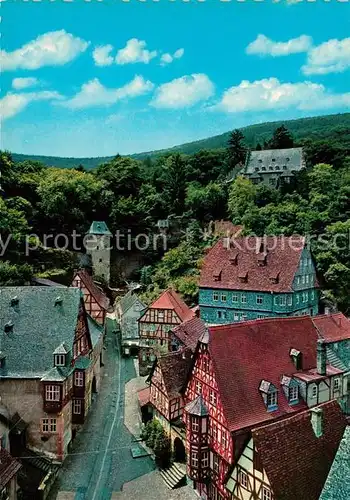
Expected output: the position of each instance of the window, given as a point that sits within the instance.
(194, 459)
(198, 387)
(224, 439)
(212, 397)
(312, 295)
(76, 406)
(266, 494)
(79, 379)
(314, 391)
(205, 459)
(243, 317)
(297, 298)
(298, 280)
(215, 296)
(52, 393)
(214, 431)
(195, 424)
(293, 394)
(223, 297)
(290, 300)
(236, 317)
(276, 301)
(243, 479)
(303, 279)
(283, 300)
(100, 260)
(48, 425)
(60, 360)
(216, 463)
(219, 314)
(307, 278)
(161, 315)
(336, 385)
(234, 297)
(205, 365)
(259, 299)
(272, 399)
(244, 298)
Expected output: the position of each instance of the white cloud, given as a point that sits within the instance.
(93, 93)
(54, 48)
(168, 58)
(101, 55)
(23, 83)
(183, 92)
(12, 104)
(271, 94)
(332, 56)
(264, 46)
(135, 52)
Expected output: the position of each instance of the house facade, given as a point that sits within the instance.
(155, 324)
(305, 445)
(128, 310)
(273, 166)
(50, 363)
(95, 300)
(251, 374)
(248, 278)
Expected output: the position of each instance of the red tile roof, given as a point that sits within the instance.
(282, 260)
(244, 354)
(189, 332)
(333, 327)
(144, 396)
(95, 291)
(8, 467)
(169, 299)
(297, 463)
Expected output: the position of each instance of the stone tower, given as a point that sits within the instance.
(98, 246)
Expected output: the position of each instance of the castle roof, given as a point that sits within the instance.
(251, 263)
(266, 161)
(99, 227)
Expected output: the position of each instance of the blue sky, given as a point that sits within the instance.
(100, 78)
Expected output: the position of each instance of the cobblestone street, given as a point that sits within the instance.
(100, 461)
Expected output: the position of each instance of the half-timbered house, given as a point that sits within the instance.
(50, 356)
(254, 373)
(95, 300)
(155, 324)
(291, 458)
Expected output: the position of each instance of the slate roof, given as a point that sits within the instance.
(273, 157)
(46, 282)
(128, 300)
(169, 299)
(95, 291)
(337, 486)
(296, 461)
(282, 260)
(189, 332)
(333, 327)
(95, 329)
(8, 467)
(99, 227)
(197, 407)
(39, 327)
(244, 354)
(175, 367)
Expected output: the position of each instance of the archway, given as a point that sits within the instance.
(94, 386)
(179, 450)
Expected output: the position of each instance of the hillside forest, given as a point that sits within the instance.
(188, 190)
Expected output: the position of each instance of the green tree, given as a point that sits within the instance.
(14, 274)
(241, 198)
(175, 183)
(236, 148)
(281, 139)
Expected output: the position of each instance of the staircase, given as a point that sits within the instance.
(174, 476)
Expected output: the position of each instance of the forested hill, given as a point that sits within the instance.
(335, 127)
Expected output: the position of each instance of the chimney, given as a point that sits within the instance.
(317, 421)
(321, 357)
(327, 310)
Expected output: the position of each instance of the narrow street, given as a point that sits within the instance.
(100, 461)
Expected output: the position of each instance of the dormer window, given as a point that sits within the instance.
(270, 395)
(293, 394)
(2, 360)
(60, 360)
(14, 301)
(217, 275)
(273, 159)
(8, 327)
(243, 276)
(233, 259)
(274, 278)
(58, 301)
(262, 259)
(296, 358)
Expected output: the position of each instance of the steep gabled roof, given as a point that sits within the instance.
(174, 367)
(226, 264)
(128, 300)
(337, 486)
(40, 325)
(291, 158)
(169, 299)
(333, 327)
(189, 332)
(296, 461)
(244, 354)
(101, 299)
